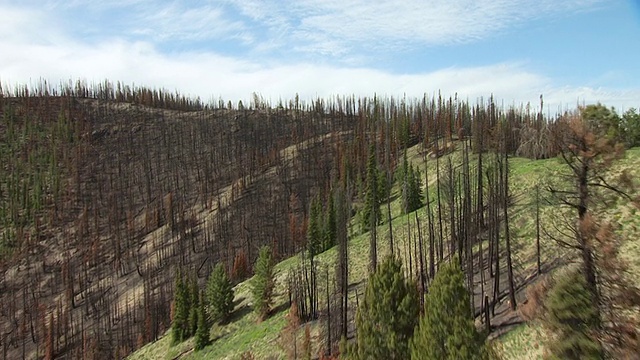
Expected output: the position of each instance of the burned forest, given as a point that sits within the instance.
(110, 192)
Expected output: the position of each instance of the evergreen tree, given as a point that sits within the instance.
(194, 294)
(388, 314)
(630, 124)
(447, 330)
(411, 189)
(604, 121)
(416, 200)
(573, 319)
(331, 227)
(202, 333)
(219, 294)
(314, 229)
(371, 210)
(401, 172)
(181, 310)
(382, 186)
(263, 283)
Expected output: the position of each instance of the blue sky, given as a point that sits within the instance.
(571, 51)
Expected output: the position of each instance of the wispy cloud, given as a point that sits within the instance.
(338, 27)
(174, 21)
(335, 28)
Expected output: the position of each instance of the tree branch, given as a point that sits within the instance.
(604, 184)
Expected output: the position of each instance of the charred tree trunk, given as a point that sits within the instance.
(538, 231)
(507, 235)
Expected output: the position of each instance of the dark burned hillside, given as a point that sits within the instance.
(103, 200)
(106, 192)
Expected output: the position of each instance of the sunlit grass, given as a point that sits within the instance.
(523, 342)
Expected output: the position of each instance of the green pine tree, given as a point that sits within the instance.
(604, 121)
(388, 314)
(263, 283)
(411, 190)
(447, 330)
(181, 310)
(630, 124)
(202, 333)
(194, 294)
(219, 294)
(382, 186)
(573, 319)
(331, 227)
(401, 171)
(371, 210)
(314, 229)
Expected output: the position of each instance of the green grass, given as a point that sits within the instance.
(523, 342)
(259, 338)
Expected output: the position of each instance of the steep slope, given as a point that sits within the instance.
(516, 339)
(105, 193)
(138, 192)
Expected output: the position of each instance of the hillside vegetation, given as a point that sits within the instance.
(518, 340)
(107, 192)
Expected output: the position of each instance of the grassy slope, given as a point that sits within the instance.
(523, 342)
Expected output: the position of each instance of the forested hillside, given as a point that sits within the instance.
(111, 196)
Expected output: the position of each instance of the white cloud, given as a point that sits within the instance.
(24, 25)
(31, 54)
(211, 76)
